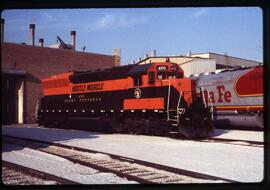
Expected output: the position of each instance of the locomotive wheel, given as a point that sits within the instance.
(145, 127)
(48, 122)
(116, 125)
(139, 130)
(132, 128)
(165, 130)
(40, 121)
(61, 122)
(197, 126)
(124, 126)
(53, 123)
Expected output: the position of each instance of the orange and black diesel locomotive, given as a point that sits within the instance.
(153, 98)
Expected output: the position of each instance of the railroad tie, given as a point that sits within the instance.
(147, 173)
(135, 171)
(107, 163)
(99, 162)
(159, 176)
(177, 180)
(126, 170)
(117, 167)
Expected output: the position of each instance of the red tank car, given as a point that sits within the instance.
(236, 96)
(153, 98)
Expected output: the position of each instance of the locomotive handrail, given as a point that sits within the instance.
(168, 100)
(211, 105)
(204, 101)
(178, 104)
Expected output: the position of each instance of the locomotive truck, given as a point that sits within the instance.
(154, 98)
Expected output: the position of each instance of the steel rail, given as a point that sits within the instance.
(250, 143)
(178, 171)
(222, 140)
(36, 173)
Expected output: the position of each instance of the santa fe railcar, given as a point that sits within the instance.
(235, 96)
(153, 98)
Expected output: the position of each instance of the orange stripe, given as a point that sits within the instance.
(239, 107)
(144, 103)
(116, 84)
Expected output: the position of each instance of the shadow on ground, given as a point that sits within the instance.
(33, 131)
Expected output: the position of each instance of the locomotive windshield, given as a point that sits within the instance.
(169, 75)
(168, 72)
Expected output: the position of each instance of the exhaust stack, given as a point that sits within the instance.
(32, 34)
(153, 53)
(40, 41)
(117, 56)
(2, 29)
(73, 39)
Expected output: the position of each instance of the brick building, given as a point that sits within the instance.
(24, 66)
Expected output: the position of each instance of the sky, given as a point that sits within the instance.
(236, 31)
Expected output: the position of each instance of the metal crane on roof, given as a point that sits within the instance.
(64, 45)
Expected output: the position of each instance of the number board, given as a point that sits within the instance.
(162, 68)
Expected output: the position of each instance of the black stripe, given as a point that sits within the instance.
(105, 100)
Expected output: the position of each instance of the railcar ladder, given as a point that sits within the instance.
(168, 101)
(212, 107)
(178, 110)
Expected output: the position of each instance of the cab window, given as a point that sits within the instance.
(169, 75)
(161, 75)
(179, 75)
(137, 81)
(151, 77)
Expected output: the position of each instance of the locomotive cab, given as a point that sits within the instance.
(184, 109)
(164, 71)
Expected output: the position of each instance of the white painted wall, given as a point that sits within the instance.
(227, 60)
(198, 66)
(190, 65)
(20, 102)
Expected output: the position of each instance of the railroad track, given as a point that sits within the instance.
(235, 141)
(240, 142)
(132, 169)
(14, 174)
